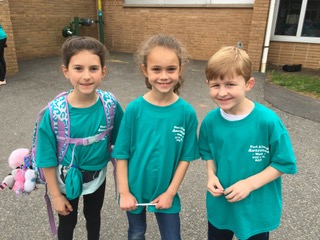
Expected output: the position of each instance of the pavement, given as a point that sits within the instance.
(39, 80)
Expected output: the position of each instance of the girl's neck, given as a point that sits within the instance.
(160, 99)
(82, 101)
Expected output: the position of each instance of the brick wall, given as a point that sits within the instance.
(203, 30)
(257, 31)
(307, 54)
(34, 29)
(37, 24)
(10, 51)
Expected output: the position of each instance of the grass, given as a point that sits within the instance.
(306, 82)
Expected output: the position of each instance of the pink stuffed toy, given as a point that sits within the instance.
(19, 178)
(16, 158)
(16, 179)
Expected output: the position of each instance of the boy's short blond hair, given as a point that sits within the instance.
(227, 62)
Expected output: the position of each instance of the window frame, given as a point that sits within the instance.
(298, 37)
(189, 3)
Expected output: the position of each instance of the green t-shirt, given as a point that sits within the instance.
(241, 149)
(84, 122)
(154, 139)
(3, 34)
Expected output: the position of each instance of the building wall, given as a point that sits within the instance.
(37, 24)
(202, 30)
(34, 29)
(257, 32)
(9, 52)
(282, 53)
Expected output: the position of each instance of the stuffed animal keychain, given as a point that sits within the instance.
(19, 180)
(30, 181)
(7, 182)
(16, 158)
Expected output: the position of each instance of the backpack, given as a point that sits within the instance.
(60, 123)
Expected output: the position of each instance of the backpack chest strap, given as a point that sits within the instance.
(83, 141)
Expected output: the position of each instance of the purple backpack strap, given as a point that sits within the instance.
(52, 223)
(41, 177)
(60, 122)
(59, 128)
(109, 103)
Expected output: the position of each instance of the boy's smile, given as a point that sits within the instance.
(230, 94)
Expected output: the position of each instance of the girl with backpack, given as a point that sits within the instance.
(82, 170)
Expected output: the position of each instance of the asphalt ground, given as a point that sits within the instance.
(40, 80)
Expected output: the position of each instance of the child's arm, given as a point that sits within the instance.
(214, 186)
(127, 200)
(242, 188)
(164, 201)
(60, 203)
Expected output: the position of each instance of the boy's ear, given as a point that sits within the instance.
(65, 71)
(144, 70)
(250, 84)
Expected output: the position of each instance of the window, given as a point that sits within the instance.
(297, 21)
(185, 2)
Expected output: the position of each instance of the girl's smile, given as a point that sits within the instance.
(162, 70)
(85, 74)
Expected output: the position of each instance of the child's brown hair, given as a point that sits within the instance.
(76, 44)
(166, 41)
(228, 61)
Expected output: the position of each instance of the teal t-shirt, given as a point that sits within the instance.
(153, 140)
(241, 149)
(3, 34)
(84, 122)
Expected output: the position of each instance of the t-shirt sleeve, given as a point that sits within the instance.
(282, 155)
(204, 147)
(281, 150)
(122, 144)
(116, 124)
(191, 149)
(46, 147)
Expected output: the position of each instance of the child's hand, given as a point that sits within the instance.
(164, 201)
(128, 202)
(62, 205)
(214, 186)
(238, 191)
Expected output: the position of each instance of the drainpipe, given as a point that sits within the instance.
(76, 26)
(100, 19)
(267, 37)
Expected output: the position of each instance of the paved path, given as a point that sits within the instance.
(38, 81)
